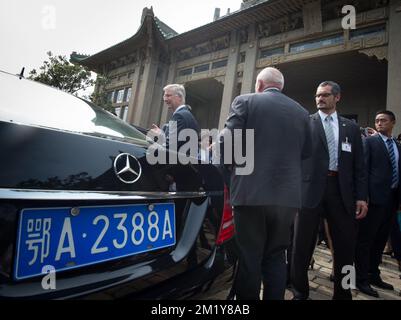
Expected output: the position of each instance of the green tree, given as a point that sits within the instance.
(100, 96)
(58, 72)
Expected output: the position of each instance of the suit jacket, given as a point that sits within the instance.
(379, 170)
(281, 141)
(184, 120)
(351, 165)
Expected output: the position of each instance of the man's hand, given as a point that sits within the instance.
(361, 209)
(370, 131)
(155, 130)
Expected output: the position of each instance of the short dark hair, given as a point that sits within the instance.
(335, 87)
(387, 112)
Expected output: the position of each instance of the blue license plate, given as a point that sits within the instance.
(68, 238)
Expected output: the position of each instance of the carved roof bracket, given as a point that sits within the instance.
(379, 52)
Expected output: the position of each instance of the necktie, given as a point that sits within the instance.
(331, 143)
(394, 177)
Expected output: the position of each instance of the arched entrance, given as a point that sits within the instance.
(204, 96)
(363, 81)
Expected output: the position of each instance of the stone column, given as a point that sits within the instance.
(312, 15)
(146, 89)
(170, 79)
(133, 103)
(248, 79)
(231, 78)
(394, 62)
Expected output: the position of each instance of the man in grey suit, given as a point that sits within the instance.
(334, 187)
(266, 200)
(182, 118)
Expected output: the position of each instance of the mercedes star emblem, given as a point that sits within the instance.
(127, 168)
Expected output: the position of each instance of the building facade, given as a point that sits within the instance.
(305, 39)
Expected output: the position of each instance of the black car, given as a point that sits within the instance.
(84, 215)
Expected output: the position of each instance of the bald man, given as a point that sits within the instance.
(265, 201)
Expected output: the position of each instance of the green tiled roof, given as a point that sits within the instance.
(76, 57)
(165, 30)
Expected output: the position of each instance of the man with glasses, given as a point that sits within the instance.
(334, 187)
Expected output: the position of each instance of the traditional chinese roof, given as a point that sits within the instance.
(264, 10)
(260, 11)
(165, 30)
(150, 26)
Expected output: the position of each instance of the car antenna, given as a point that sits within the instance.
(21, 75)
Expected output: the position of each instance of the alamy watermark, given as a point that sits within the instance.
(48, 17)
(349, 279)
(49, 280)
(226, 147)
(349, 21)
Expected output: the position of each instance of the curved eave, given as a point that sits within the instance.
(123, 48)
(165, 30)
(262, 12)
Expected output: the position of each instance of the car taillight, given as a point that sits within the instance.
(227, 228)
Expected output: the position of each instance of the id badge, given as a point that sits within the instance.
(346, 146)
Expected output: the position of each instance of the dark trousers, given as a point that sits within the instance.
(373, 233)
(263, 235)
(289, 255)
(342, 227)
(396, 238)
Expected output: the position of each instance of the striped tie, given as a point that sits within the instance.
(394, 177)
(331, 143)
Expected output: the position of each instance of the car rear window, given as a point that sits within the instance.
(30, 103)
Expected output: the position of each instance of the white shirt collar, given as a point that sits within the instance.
(271, 88)
(324, 115)
(180, 107)
(385, 138)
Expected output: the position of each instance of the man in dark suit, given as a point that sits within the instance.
(266, 200)
(334, 187)
(382, 156)
(182, 118)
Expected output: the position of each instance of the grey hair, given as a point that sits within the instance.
(178, 89)
(335, 87)
(272, 77)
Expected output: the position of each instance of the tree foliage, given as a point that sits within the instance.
(58, 72)
(99, 96)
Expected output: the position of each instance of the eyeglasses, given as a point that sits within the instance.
(324, 95)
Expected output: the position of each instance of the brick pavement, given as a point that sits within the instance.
(321, 288)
